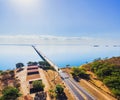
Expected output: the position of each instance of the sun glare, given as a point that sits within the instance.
(25, 3)
(24, 6)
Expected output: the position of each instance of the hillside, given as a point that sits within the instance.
(9, 85)
(107, 71)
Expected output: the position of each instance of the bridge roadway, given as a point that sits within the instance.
(78, 92)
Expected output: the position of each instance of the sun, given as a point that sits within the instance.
(23, 2)
(25, 6)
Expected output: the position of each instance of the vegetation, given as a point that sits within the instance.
(40, 96)
(38, 85)
(108, 71)
(58, 93)
(9, 77)
(30, 63)
(19, 65)
(43, 63)
(52, 93)
(10, 93)
(1, 72)
(78, 73)
(59, 89)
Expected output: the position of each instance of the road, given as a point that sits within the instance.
(78, 92)
(75, 88)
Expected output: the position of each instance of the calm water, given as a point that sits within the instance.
(61, 55)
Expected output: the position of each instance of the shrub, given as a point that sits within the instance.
(59, 89)
(38, 85)
(10, 93)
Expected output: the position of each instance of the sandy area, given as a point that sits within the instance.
(96, 92)
(22, 75)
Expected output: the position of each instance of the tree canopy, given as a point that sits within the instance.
(10, 93)
(108, 71)
(78, 72)
(38, 85)
(59, 89)
(19, 65)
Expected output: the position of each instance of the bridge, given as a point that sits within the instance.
(75, 89)
(46, 59)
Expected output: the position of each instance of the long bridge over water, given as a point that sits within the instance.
(46, 59)
(78, 92)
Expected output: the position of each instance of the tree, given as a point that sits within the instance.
(30, 63)
(60, 95)
(19, 65)
(59, 89)
(38, 85)
(1, 71)
(78, 72)
(10, 93)
(52, 93)
(108, 71)
(43, 63)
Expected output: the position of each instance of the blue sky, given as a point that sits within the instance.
(83, 18)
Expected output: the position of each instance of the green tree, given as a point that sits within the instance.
(59, 89)
(38, 85)
(108, 71)
(19, 65)
(1, 71)
(43, 63)
(78, 72)
(10, 93)
(30, 63)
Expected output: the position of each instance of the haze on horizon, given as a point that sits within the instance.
(89, 20)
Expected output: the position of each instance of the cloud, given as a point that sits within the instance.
(49, 39)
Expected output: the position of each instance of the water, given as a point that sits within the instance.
(61, 55)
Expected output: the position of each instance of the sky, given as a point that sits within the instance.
(74, 22)
(96, 19)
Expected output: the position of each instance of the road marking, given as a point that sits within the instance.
(79, 91)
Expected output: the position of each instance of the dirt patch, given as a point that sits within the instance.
(34, 76)
(98, 83)
(96, 92)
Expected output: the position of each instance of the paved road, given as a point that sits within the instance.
(76, 89)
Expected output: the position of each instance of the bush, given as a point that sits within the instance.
(19, 65)
(78, 72)
(108, 71)
(52, 93)
(1, 71)
(59, 89)
(10, 93)
(30, 63)
(38, 85)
